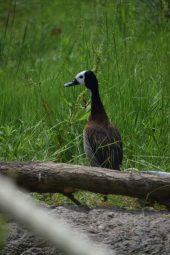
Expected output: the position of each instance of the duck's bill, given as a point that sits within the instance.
(71, 83)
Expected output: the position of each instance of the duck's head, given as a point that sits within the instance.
(86, 78)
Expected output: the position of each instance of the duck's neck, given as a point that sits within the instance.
(97, 109)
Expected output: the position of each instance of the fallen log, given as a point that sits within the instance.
(51, 178)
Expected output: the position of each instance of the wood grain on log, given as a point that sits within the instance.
(50, 177)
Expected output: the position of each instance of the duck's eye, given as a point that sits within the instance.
(81, 76)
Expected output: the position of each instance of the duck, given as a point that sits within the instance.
(102, 140)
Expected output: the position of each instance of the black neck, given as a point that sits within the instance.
(97, 108)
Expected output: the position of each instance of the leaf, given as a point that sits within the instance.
(84, 116)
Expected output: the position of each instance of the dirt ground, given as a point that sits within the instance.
(123, 231)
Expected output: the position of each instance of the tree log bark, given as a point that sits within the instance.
(50, 178)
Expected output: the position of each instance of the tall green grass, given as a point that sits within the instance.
(125, 42)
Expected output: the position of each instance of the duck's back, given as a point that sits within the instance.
(103, 145)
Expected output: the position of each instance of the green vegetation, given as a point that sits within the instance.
(43, 44)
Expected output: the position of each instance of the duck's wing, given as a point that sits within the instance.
(103, 146)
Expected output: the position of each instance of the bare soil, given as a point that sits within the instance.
(124, 231)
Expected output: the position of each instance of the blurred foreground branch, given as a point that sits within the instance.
(50, 177)
(24, 210)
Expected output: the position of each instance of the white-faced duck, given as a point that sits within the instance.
(102, 141)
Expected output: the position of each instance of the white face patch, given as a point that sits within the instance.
(80, 77)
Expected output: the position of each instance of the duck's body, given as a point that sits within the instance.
(102, 141)
(102, 145)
